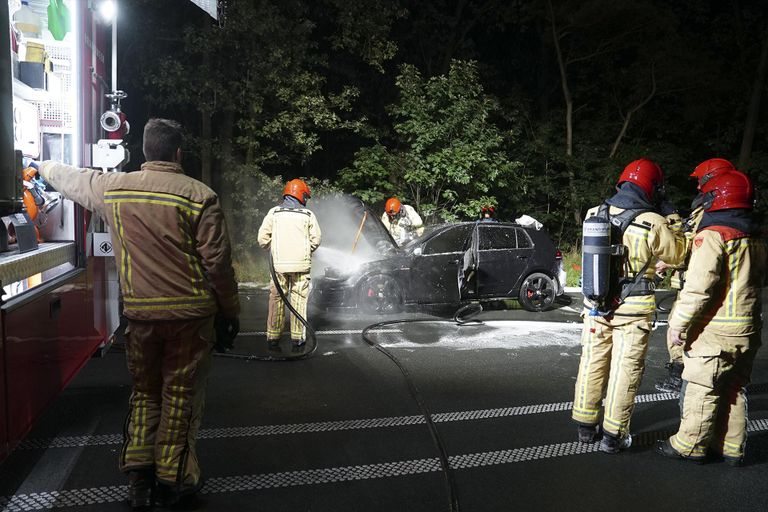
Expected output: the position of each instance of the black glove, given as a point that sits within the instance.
(226, 332)
(666, 208)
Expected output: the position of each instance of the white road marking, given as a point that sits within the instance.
(45, 500)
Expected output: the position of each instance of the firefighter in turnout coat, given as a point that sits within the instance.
(402, 221)
(613, 346)
(291, 233)
(173, 254)
(703, 172)
(717, 321)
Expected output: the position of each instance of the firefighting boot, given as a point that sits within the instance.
(665, 449)
(674, 379)
(141, 484)
(172, 496)
(613, 444)
(588, 434)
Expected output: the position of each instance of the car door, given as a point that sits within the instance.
(434, 269)
(503, 257)
(467, 271)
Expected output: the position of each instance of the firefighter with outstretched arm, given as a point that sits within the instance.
(179, 295)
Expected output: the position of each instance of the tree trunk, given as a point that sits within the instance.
(631, 112)
(568, 116)
(205, 146)
(226, 159)
(564, 83)
(750, 126)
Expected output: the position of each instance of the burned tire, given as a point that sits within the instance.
(379, 294)
(537, 292)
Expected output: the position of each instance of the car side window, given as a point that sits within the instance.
(523, 240)
(497, 238)
(450, 240)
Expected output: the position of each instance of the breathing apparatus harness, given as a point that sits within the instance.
(603, 259)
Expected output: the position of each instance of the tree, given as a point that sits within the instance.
(447, 155)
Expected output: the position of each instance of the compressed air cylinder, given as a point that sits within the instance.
(596, 258)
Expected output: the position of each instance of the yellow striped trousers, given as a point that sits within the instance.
(611, 368)
(169, 362)
(295, 286)
(713, 403)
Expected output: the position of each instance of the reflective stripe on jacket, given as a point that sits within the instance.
(292, 235)
(169, 236)
(649, 237)
(723, 286)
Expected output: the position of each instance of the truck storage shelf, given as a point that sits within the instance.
(25, 92)
(15, 267)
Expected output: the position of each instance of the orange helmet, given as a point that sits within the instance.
(392, 207)
(729, 189)
(298, 189)
(708, 169)
(644, 173)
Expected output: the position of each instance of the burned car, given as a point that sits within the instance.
(450, 264)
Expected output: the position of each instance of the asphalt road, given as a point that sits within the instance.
(340, 431)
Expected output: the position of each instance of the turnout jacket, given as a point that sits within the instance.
(292, 235)
(169, 237)
(649, 237)
(403, 224)
(723, 284)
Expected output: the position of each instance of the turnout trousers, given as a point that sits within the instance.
(295, 285)
(169, 362)
(611, 367)
(713, 403)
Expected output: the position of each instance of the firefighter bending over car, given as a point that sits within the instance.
(180, 298)
(717, 322)
(291, 233)
(623, 238)
(703, 172)
(402, 221)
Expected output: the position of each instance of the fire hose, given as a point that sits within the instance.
(312, 339)
(460, 318)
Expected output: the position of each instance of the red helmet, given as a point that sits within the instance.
(726, 190)
(298, 189)
(392, 207)
(490, 210)
(644, 173)
(708, 169)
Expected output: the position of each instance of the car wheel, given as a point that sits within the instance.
(537, 292)
(379, 294)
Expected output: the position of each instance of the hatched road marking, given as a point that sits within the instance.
(117, 493)
(330, 426)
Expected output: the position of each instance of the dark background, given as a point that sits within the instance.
(301, 88)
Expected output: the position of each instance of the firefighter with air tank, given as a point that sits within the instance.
(716, 321)
(623, 238)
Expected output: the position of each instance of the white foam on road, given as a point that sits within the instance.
(501, 334)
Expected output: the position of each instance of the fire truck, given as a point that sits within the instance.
(60, 296)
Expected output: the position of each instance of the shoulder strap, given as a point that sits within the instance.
(624, 219)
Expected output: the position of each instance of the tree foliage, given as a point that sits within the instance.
(447, 156)
(453, 104)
